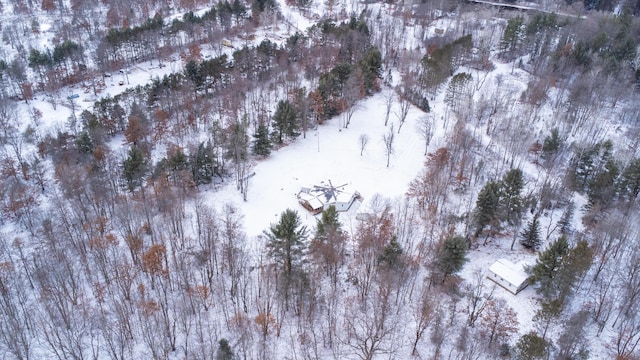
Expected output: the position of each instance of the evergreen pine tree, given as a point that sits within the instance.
(512, 36)
(192, 72)
(202, 164)
(286, 241)
(551, 143)
(567, 216)
(134, 168)
(629, 185)
(531, 235)
(548, 265)
(512, 184)
(327, 246)
(583, 165)
(574, 265)
(549, 311)
(178, 161)
(487, 206)
(531, 347)
(84, 143)
(371, 65)
(456, 89)
(284, 122)
(261, 142)
(225, 12)
(391, 256)
(224, 350)
(239, 10)
(602, 186)
(452, 256)
(237, 144)
(328, 223)
(594, 170)
(174, 164)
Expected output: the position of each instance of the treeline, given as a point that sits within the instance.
(610, 46)
(356, 74)
(156, 40)
(60, 67)
(119, 47)
(606, 180)
(173, 105)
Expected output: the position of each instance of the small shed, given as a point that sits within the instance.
(310, 201)
(509, 275)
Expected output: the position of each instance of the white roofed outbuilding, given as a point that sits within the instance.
(510, 276)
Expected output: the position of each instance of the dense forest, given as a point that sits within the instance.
(114, 244)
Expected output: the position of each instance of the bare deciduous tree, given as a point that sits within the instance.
(351, 93)
(425, 128)
(405, 106)
(626, 338)
(389, 98)
(439, 331)
(370, 328)
(477, 298)
(363, 140)
(387, 139)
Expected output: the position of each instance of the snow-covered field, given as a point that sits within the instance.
(331, 152)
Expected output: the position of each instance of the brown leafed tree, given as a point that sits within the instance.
(27, 91)
(134, 131)
(317, 104)
(48, 5)
(372, 235)
(188, 4)
(154, 261)
(429, 188)
(194, 52)
(498, 321)
(113, 17)
(265, 322)
(423, 314)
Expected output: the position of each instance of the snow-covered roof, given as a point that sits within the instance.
(321, 196)
(327, 194)
(510, 272)
(343, 196)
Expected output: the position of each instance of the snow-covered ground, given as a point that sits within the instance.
(331, 152)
